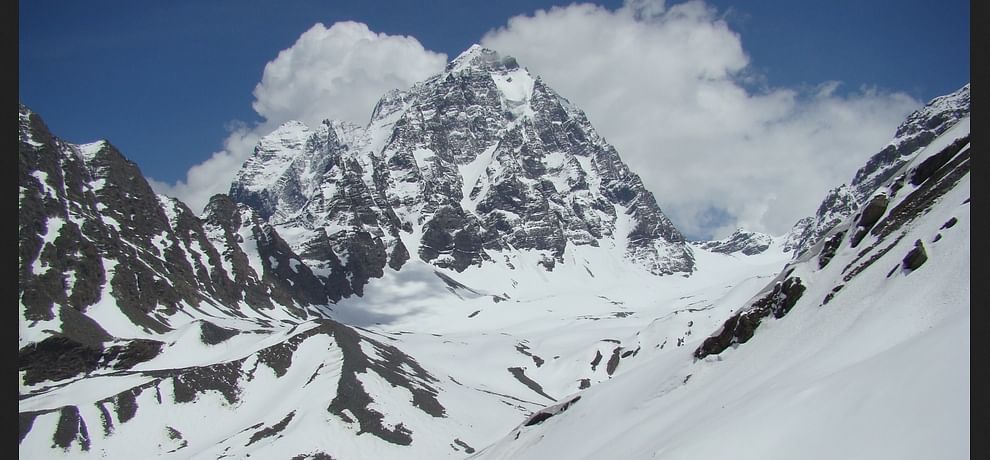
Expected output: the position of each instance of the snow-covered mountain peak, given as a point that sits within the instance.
(480, 159)
(740, 241)
(480, 59)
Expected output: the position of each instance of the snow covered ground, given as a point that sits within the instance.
(880, 371)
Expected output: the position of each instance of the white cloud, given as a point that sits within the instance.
(338, 72)
(669, 87)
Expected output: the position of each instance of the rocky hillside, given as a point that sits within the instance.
(462, 169)
(911, 137)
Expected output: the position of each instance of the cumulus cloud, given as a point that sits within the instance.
(338, 72)
(673, 90)
(669, 85)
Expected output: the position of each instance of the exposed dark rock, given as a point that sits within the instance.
(94, 208)
(452, 232)
(831, 294)
(828, 249)
(105, 419)
(584, 383)
(745, 242)
(352, 396)
(949, 223)
(313, 456)
(871, 213)
(468, 449)
(931, 164)
(211, 334)
(920, 201)
(923, 126)
(838, 203)
(57, 358)
(613, 361)
(71, 428)
(597, 360)
(189, 382)
(875, 256)
(915, 257)
(739, 328)
(520, 375)
(522, 200)
(135, 351)
(543, 415)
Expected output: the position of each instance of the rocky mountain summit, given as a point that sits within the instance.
(477, 161)
(913, 135)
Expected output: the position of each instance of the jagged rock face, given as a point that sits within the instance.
(93, 235)
(742, 241)
(920, 128)
(839, 203)
(914, 134)
(480, 158)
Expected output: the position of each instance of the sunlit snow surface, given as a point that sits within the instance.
(461, 335)
(881, 371)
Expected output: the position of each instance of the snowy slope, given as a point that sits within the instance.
(911, 137)
(880, 370)
(474, 273)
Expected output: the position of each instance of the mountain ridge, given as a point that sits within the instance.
(475, 275)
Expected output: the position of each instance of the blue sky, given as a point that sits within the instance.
(164, 81)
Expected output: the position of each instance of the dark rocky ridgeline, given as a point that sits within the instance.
(285, 280)
(739, 328)
(915, 133)
(90, 226)
(60, 357)
(890, 229)
(304, 178)
(533, 160)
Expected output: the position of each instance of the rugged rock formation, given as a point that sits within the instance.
(913, 135)
(93, 235)
(479, 159)
(742, 241)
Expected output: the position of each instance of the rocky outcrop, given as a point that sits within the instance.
(741, 241)
(91, 230)
(739, 328)
(868, 217)
(915, 257)
(838, 204)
